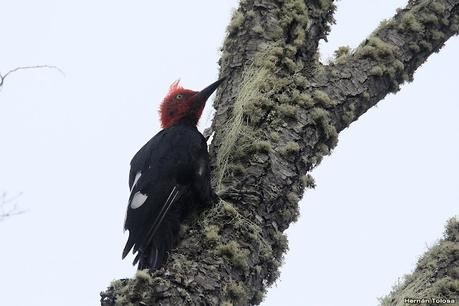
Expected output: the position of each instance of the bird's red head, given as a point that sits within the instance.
(184, 105)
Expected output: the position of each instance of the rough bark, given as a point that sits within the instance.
(436, 277)
(277, 115)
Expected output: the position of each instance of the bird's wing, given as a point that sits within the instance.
(141, 159)
(155, 187)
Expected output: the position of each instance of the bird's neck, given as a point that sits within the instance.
(189, 120)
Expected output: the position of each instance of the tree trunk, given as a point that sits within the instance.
(436, 276)
(279, 112)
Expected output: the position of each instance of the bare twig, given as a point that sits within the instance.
(9, 206)
(3, 77)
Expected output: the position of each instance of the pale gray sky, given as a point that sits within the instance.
(382, 196)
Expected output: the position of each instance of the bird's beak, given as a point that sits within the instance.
(204, 94)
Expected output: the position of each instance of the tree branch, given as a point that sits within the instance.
(388, 58)
(277, 114)
(297, 25)
(9, 207)
(3, 77)
(436, 274)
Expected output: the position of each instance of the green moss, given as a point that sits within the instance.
(326, 4)
(398, 65)
(342, 51)
(266, 252)
(243, 149)
(350, 114)
(323, 99)
(265, 102)
(319, 114)
(295, 94)
(414, 47)
(434, 275)
(330, 134)
(293, 12)
(258, 29)
(437, 7)
(281, 241)
(385, 23)
(258, 297)
(406, 77)
(293, 197)
(375, 48)
(122, 289)
(308, 181)
(236, 169)
(445, 288)
(229, 209)
(253, 112)
(290, 64)
(305, 99)
(299, 35)
(322, 149)
(290, 214)
(313, 160)
(342, 54)
(226, 303)
(237, 256)
(454, 24)
(275, 32)
(427, 18)
(238, 135)
(290, 148)
(262, 146)
(335, 73)
(348, 117)
(437, 35)
(236, 291)
(250, 13)
(236, 21)
(211, 233)
(376, 71)
(268, 61)
(409, 22)
(300, 80)
(121, 300)
(425, 45)
(275, 136)
(444, 21)
(143, 275)
(287, 110)
(365, 96)
(283, 98)
(452, 230)
(395, 70)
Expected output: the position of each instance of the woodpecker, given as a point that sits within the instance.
(169, 178)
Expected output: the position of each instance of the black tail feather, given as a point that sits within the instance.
(128, 247)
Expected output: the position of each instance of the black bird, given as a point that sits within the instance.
(169, 178)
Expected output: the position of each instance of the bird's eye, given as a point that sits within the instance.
(179, 96)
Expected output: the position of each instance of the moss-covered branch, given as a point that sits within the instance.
(277, 114)
(436, 277)
(389, 57)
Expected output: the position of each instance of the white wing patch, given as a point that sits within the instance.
(136, 179)
(211, 137)
(138, 199)
(202, 168)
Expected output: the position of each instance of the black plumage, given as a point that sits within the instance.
(169, 177)
(174, 181)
